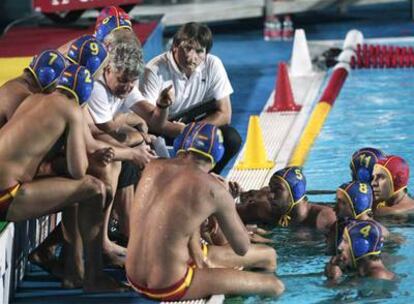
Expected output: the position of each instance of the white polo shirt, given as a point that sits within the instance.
(208, 82)
(103, 106)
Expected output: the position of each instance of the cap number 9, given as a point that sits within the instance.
(94, 48)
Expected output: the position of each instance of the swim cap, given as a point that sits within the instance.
(362, 163)
(359, 197)
(77, 80)
(109, 24)
(203, 138)
(295, 181)
(46, 67)
(397, 170)
(365, 238)
(111, 11)
(88, 52)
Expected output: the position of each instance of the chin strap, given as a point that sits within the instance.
(285, 220)
(382, 205)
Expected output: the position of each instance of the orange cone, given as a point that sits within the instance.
(283, 100)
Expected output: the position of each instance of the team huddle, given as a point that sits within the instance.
(84, 130)
(353, 234)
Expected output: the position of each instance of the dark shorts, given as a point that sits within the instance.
(129, 175)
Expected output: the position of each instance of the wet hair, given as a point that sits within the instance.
(125, 57)
(194, 32)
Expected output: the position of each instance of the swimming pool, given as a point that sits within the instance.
(374, 109)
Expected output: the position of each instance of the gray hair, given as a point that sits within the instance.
(125, 53)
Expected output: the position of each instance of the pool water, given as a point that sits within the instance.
(374, 109)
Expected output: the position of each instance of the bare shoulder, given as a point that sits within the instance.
(157, 166)
(408, 204)
(217, 192)
(67, 107)
(205, 183)
(326, 218)
(327, 211)
(380, 272)
(13, 91)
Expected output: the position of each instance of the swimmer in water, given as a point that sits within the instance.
(360, 250)
(284, 203)
(353, 202)
(390, 179)
(362, 163)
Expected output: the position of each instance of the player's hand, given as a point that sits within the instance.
(142, 155)
(235, 189)
(146, 137)
(257, 230)
(332, 270)
(104, 156)
(256, 238)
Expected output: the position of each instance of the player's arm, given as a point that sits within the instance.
(139, 155)
(195, 249)
(229, 220)
(76, 157)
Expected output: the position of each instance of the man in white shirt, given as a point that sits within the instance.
(116, 93)
(202, 88)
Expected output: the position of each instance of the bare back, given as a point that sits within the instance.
(321, 217)
(12, 94)
(30, 134)
(172, 200)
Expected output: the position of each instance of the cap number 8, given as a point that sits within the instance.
(363, 188)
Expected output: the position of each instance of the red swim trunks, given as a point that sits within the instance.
(172, 293)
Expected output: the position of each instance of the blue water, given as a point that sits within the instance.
(374, 109)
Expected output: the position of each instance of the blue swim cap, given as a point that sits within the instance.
(365, 238)
(77, 80)
(110, 24)
(359, 196)
(46, 67)
(295, 181)
(362, 163)
(203, 138)
(88, 52)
